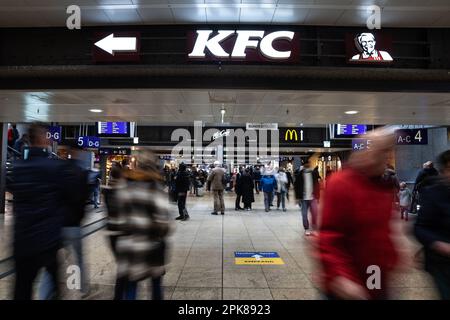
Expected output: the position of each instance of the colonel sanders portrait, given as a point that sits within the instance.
(366, 43)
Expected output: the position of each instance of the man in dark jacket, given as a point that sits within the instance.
(182, 184)
(422, 180)
(41, 189)
(71, 232)
(238, 189)
(432, 226)
(307, 192)
(257, 178)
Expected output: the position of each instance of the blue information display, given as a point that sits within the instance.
(88, 142)
(350, 129)
(113, 128)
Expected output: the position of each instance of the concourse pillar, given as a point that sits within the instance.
(3, 158)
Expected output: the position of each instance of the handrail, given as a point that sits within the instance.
(15, 151)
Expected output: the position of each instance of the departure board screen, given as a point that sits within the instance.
(113, 129)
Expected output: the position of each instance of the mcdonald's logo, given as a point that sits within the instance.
(291, 133)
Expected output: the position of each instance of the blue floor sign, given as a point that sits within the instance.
(252, 258)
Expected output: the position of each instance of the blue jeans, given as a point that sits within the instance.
(96, 197)
(131, 289)
(72, 237)
(281, 198)
(304, 206)
(268, 198)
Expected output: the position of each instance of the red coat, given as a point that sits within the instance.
(355, 230)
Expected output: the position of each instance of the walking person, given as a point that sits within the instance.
(216, 181)
(281, 189)
(257, 178)
(290, 182)
(405, 198)
(72, 238)
(307, 192)
(355, 233)
(268, 186)
(181, 189)
(238, 189)
(247, 187)
(42, 189)
(432, 227)
(141, 252)
(113, 225)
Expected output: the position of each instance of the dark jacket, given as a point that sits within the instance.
(42, 191)
(433, 220)
(238, 184)
(299, 184)
(422, 177)
(268, 183)
(247, 187)
(257, 174)
(182, 181)
(80, 193)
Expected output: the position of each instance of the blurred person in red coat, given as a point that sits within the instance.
(354, 247)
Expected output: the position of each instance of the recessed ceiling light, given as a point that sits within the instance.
(310, 150)
(96, 110)
(301, 124)
(351, 112)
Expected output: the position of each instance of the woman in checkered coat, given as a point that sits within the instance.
(142, 250)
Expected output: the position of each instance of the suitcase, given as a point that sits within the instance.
(200, 192)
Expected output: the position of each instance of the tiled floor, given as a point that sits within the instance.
(202, 258)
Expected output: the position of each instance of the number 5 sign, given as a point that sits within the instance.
(412, 136)
(54, 133)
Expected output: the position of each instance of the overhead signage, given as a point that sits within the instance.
(113, 129)
(243, 45)
(368, 47)
(257, 258)
(114, 151)
(350, 129)
(412, 136)
(360, 144)
(291, 135)
(327, 144)
(88, 142)
(116, 47)
(220, 134)
(54, 133)
(262, 126)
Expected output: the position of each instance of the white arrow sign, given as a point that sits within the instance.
(112, 45)
(257, 257)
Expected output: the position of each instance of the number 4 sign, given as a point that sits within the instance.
(412, 136)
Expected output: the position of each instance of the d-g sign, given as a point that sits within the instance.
(275, 46)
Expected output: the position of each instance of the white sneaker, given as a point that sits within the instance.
(308, 233)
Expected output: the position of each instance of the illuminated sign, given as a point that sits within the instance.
(88, 142)
(351, 129)
(262, 126)
(271, 46)
(123, 46)
(114, 45)
(364, 48)
(412, 136)
(54, 133)
(360, 144)
(113, 129)
(220, 134)
(293, 135)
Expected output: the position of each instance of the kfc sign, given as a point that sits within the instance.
(367, 47)
(244, 45)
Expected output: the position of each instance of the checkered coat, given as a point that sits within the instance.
(142, 251)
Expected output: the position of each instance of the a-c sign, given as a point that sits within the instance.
(276, 46)
(412, 136)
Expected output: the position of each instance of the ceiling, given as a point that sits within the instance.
(395, 13)
(149, 106)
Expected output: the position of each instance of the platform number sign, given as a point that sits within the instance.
(412, 136)
(54, 133)
(88, 142)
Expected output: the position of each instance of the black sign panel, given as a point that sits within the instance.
(114, 151)
(412, 136)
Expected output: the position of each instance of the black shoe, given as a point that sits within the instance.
(222, 213)
(186, 217)
(179, 218)
(214, 213)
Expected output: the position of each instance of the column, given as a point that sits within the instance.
(3, 157)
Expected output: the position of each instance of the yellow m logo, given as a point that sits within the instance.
(291, 133)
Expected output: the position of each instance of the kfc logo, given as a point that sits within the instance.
(275, 46)
(366, 44)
